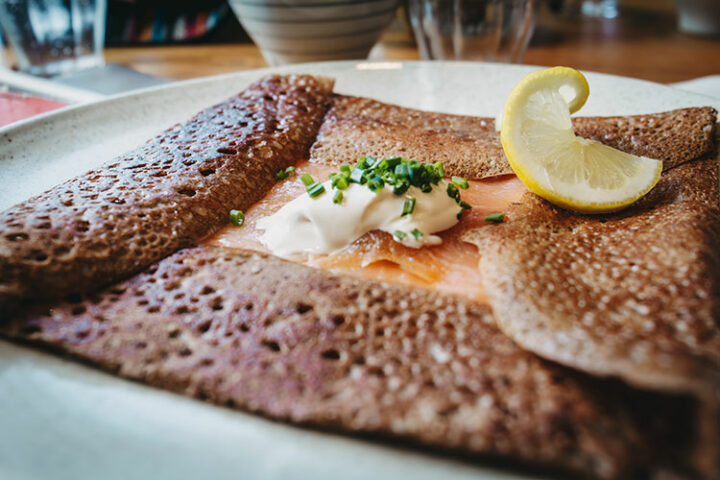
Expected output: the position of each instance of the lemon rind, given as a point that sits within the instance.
(556, 78)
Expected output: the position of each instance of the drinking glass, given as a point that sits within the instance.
(487, 30)
(600, 8)
(53, 37)
(589, 8)
(700, 17)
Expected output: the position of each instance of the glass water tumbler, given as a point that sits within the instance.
(488, 30)
(52, 37)
(600, 8)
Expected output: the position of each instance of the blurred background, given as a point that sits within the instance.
(65, 51)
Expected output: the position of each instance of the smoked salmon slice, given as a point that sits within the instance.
(449, 267)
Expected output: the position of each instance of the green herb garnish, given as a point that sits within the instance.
(237, 218)
(357, 175)
(399, 235)
(408, 206)
(307, 179)
(460, 182)
(453, 192)
(495, 217)
(283, 174)
(397, 173)
(463, 206)
(417, 234)
(338, 181)
(401, 187)
(375, 183)
(315, 189)
(338, 197)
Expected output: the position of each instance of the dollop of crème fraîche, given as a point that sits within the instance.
(324, 225)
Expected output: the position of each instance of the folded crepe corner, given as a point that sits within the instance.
(597, 354)
(633, 294)
(169, 193)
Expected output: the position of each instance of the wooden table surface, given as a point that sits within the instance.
(642, 42)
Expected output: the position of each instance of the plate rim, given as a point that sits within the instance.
(26, 123)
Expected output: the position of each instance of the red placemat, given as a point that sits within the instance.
(14, 107)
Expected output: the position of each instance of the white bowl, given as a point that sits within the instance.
(295, 31)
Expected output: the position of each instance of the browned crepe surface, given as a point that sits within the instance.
(470, 146)
(291, 342)
(300, 344)
(111, 222)
(674, 137)
(355, 126)
(634, 294)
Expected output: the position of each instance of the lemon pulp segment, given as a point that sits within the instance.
(571, 172)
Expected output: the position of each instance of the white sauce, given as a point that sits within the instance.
(319, 226)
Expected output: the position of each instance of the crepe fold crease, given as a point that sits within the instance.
(598, 353)
(167, 194)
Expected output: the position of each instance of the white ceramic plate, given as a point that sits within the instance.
(62, 420)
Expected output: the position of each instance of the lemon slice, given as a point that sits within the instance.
(569, 171)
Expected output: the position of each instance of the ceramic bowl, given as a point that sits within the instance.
(296, 31)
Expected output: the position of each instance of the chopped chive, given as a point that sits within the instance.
(464, 205)
(376, 183)
(394, 161)
(237, 218)
(495, 217)
(417, 234)
(315, 190)
(399, 235)
(340, 183)
(283, 174)
(453, 191)
(307, 179)
(338, 197)
(357, 175)
(401, 187)
(460, 182)
(408, 206)
(416, 172)
(399, 173)
(401, 170)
